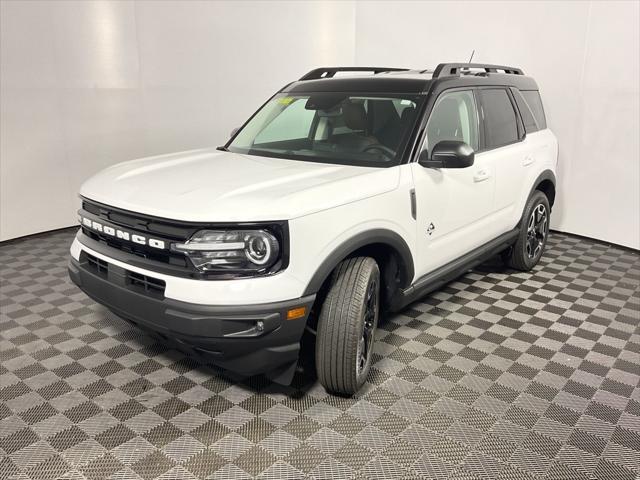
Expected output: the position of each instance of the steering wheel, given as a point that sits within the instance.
(386, 151)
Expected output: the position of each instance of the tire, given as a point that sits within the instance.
(526, 252)
(346, 326)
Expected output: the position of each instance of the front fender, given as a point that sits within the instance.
(362, 239)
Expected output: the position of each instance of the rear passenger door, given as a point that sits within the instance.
(504, 147)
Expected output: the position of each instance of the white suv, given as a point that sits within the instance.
(344, 196)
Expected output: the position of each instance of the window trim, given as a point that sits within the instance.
(519, 124)
(522, 131)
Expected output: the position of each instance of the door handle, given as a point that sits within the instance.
(481, 175)
(528, 160)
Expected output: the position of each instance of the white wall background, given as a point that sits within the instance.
(88, 84)
(585, 57)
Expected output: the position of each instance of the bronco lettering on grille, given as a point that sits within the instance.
(122, 234)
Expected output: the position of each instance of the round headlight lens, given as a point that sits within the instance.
(258, 249)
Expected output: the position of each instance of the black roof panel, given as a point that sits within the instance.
(521, 82)
(408, 82)
(381, 83)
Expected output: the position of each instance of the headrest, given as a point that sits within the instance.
(384, 114)
(407, 114)
(355, 116)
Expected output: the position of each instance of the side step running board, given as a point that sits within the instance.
(445, 274)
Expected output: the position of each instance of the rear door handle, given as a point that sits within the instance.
(482, 175)
(528, 160)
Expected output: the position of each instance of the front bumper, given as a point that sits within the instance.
(247, 339)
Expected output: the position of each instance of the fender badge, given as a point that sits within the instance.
(430, 228)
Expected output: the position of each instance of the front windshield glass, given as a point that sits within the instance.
(332, 128)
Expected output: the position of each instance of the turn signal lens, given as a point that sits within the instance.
(296, 313)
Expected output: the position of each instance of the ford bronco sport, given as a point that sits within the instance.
(345, 195)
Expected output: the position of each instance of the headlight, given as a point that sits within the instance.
(244, 251)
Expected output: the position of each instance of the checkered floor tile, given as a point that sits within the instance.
(498, 375)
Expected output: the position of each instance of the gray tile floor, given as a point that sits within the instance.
(499, 375)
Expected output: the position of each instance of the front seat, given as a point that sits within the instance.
(355, 118)
(401, 129)
(385, 124)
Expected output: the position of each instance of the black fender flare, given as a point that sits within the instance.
(545, 175)
(362, 239)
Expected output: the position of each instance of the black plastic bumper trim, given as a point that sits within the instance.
(211, 331)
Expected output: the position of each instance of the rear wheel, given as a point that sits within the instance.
(534, 231)
(347, 324)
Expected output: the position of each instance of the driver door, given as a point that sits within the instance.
(454, 205)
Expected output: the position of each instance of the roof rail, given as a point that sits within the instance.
(328, 72)
(449, 69)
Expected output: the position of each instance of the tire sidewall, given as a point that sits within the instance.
(340, 326)
(374, 275)
(536, 199)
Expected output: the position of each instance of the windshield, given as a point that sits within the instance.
(338, 128)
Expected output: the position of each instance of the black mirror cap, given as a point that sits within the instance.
(448, 154)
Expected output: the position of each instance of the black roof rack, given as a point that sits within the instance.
(328, 72)
(449, 69)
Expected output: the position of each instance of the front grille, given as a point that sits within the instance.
(146, 226)
(142, 251)
(97, 265)
(150, 286)
(142, 223)
(165, 260)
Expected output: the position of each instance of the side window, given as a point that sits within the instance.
(500, 122)
(454, 117)
(530, 124)
(535, 104)
(293, 122)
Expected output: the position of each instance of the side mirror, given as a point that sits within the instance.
(448, 154)
(233, 132)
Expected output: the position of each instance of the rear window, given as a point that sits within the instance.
(500, 123)
(532, 98)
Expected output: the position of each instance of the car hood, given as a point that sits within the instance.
(214, 186)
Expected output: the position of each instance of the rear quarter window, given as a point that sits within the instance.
(532, 97)
(530, 123)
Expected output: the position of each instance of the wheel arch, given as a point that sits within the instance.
(387, 247)
(546, 183)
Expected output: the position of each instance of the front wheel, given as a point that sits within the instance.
(347, 324)
(534, 231)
